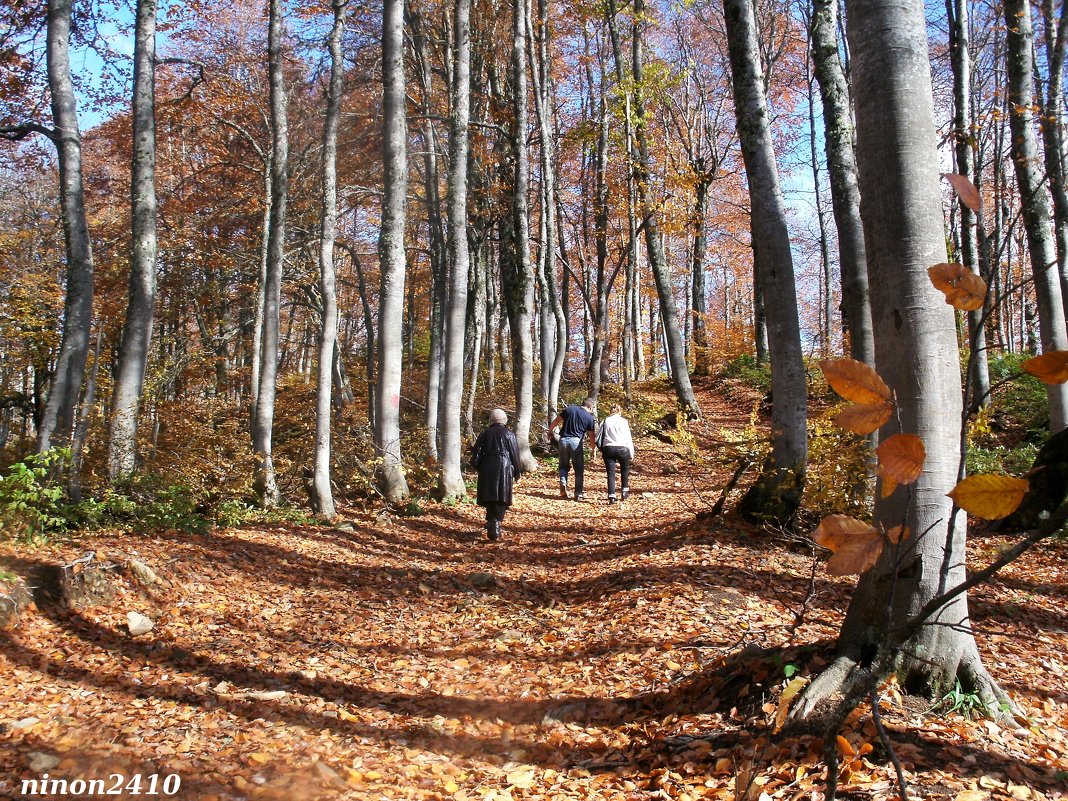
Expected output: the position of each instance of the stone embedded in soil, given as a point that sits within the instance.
(138, 623)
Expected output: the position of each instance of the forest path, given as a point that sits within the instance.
(629, 652)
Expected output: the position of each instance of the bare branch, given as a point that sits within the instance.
(16, 133)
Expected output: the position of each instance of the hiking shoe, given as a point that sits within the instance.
(493, 532)
(626, 493)
(611, 500)
(580, 497)
(563, 491)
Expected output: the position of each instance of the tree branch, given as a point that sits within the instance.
(16, 133)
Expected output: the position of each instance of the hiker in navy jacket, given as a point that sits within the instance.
(576, 422)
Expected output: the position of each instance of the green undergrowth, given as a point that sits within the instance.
(35, 508)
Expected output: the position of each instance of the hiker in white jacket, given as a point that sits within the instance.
(617, 447)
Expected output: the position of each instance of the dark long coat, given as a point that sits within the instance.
(496, 457)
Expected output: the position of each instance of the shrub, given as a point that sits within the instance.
(745, 369)
(30, 507)
(143, 501)
(837, 476)
(1020, 406)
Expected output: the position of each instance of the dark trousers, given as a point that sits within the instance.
(495, 513)
(572, 454)
(615, 454)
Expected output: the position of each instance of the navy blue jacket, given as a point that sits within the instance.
(577, 420)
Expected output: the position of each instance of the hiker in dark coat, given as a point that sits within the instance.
(496, 457)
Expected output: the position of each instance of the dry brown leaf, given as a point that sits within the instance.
(792, 689)
(856, 545)
(898, 534)
(864, 418)
(521, 776)
(855, 381)
(965, 190)
(989, 496)
(1049, 368)
(889, 485)
(834, 531)
(855, 558)
(963, 289)
(901, 457)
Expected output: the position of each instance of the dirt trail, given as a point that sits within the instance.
(595, 652)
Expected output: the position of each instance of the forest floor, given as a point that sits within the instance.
(595, 652)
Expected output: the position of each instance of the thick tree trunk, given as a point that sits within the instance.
(392, 483)
(554, 324)
(1019, 43)
(57, 422)
(437, 250)
(137, 330)
(1056, 28)
(842, 168)
(520, 275)
(676, 353)
(459, 259)
(916, 354)
(777, 492)
(261, 283)
(322, 494)
(263, 480)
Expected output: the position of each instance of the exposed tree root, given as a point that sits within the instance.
(974, 675)
(836, 679)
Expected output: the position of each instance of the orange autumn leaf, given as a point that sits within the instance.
(963, 289)
(855, 381)
(783, 709)
(845, 748)
(965, 190)
(889, 485)
(856, 545)
(989, 496)
(864, 418)
(1049, 368)
(901, 457)
(898, 534)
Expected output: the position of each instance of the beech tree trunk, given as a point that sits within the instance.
(842, 168)
(600, 236)
(261, 282)
(676, 352)
(392, 483)
(519, 287)
(1019, 44)
(57, 422)
(263, 480)
(554, 323)
(437, 247)
(459, 260)
(1056, 30)
(978, 390)
(776, 494)
(916, 355)
(322, 494)
(137, 330)
(698, 296)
